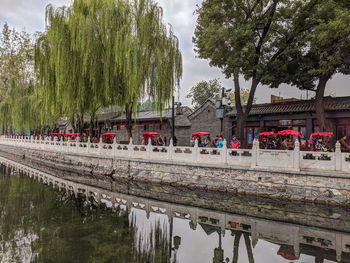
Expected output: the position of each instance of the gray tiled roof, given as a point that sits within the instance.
(105, 116)
(339, 103)
(182, 121)
(147, 115)
(155, 115)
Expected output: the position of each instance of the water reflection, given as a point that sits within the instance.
(42, 224)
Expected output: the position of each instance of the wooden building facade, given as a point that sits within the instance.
(296, 115)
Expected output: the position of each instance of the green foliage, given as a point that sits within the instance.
(244, 38)
(148, 105)
(203, 91)
(244, 97)
(61, 228)
(17, 106)
(319, 53)
(101, 53)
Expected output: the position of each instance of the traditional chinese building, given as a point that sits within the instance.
(278, 115)
(297, 115)
(149, 121)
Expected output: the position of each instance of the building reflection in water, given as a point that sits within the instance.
(146, 230)
(243, 239)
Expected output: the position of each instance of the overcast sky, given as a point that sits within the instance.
(30, 16)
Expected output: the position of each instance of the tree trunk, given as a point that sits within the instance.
(240, 123)
(93, 122)
(128, 118)
(91, 128)
(81, 124)
(242, 116)
(249, 248)
(236, 247)
(72, 120)
(320, 114)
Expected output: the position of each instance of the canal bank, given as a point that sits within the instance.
(110, 172)
(302, 231)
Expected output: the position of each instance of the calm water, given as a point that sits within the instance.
(40, 224)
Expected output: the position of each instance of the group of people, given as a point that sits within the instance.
(276, 143)
(155, 141)
(323, 144)
(83, 139)
(218, 142)
(317, 144)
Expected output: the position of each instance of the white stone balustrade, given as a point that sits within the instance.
(255, 158)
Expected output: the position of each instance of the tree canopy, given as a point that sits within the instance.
(245, 37)
(244, 97)
(203, 91)
(212, 89)
(99, 53)
(17, 106)
(319, 54)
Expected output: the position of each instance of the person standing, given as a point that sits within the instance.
(263, 143)
(219, 143)
(207, 142)
(160, 141)
(318, 145)
(345, 147)
(235, 144)
(192, 141)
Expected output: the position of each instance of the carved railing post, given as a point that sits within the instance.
(41, 142)
(223, 153)
(88, 144)
(296, 156)
(77, 144)
(68, 144)
(255, 149)
(115, 146)
(100, 146)
(338, 157)
(130, 148)
(149, 148)
(171, 149)
(195, 152)
(60, 147)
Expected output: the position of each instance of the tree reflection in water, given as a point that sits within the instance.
(40, 225)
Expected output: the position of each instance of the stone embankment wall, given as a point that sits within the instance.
(110, 173)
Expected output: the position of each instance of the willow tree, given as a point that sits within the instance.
(16, 79)
(98, 53)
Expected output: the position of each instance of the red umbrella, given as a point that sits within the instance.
(287, 252)
(148, 135)
(263, 134)
(289, 132)
(325, 134)
(200, 134)
(109, 135)
(56, 134)
(287, 256)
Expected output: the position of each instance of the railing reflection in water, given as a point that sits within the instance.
(293, 241)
